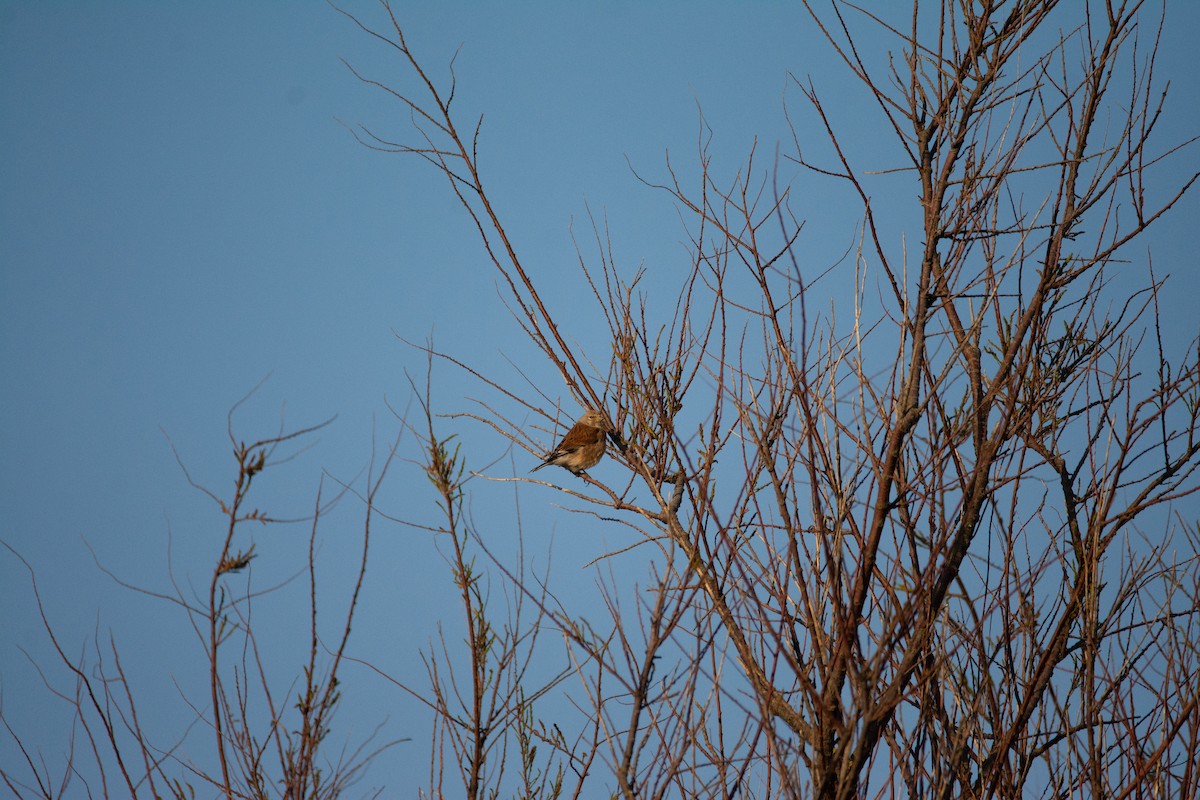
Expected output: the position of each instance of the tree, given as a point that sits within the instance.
(925, 546)
(936, 543)
(268, 726)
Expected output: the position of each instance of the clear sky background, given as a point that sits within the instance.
(182, 215)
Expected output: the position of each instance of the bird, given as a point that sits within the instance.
(581, 448)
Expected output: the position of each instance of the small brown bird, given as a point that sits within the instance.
(582, 447)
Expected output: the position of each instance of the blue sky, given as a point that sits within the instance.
(182, 215)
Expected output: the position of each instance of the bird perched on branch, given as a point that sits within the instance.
(581, 448)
